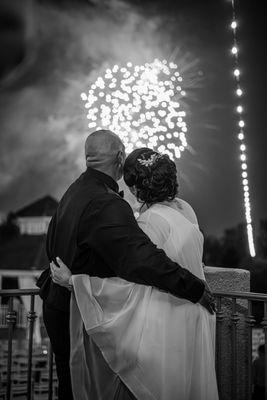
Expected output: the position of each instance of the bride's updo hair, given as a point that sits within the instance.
(154, 176)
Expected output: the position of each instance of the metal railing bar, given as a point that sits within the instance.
(219, 319)
(11, 318)
(18, 292)
(234, 319)
(242, 295)
(31, 318)
(50, 372)
(250, 322)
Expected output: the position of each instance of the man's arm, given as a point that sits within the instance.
(109, 228)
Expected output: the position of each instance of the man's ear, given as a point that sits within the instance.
(120, 157)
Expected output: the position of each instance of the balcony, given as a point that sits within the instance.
(27, 370)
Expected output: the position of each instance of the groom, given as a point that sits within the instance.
(94, 232)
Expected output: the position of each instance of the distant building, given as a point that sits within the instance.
(34, 218)
(26, 251)
(23, 255)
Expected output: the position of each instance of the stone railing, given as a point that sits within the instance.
(235, 322)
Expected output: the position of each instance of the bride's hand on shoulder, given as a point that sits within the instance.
(61, 274)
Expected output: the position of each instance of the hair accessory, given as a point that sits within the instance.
(149, 161)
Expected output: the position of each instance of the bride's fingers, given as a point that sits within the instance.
(55, 274)
(53, 270)
(52, 265)
(60, 262)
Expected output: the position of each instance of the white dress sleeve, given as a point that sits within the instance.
(155, 227)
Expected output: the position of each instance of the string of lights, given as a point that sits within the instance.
(241, 133)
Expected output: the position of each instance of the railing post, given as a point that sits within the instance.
(11, 320)
(31, 318)
(234, 319)
(264, 324)
(219, 319)
(250, 322)
(50, 372)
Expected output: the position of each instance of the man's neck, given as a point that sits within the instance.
(106, 171)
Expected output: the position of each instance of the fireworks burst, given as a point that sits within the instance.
(142, 105)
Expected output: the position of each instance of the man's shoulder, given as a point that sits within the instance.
(83, 191)
(109, 205)
(109, 198)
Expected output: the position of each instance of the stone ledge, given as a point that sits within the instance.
(228, 279)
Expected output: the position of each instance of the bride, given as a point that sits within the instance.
(160, 346)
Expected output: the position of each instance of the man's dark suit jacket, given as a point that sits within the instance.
(95, 232)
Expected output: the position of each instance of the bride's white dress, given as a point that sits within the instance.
(160, 346)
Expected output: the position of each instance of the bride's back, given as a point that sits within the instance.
(173, 227)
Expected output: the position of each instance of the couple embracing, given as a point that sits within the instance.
(127, 308)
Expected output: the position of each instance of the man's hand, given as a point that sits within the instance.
(208, 300)
(61, 275)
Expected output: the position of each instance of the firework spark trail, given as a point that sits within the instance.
(142, 104)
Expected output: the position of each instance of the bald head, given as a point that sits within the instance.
(102, 149)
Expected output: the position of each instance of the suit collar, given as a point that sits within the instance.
(102, 177)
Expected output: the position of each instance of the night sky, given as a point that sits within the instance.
(60, 47)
